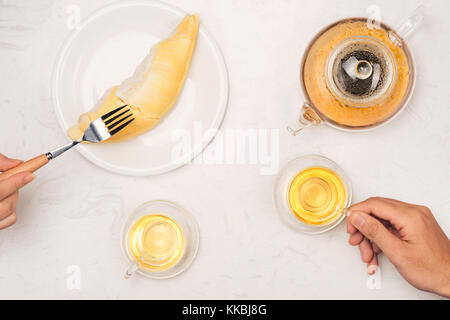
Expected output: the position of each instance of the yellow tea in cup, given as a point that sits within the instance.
(156, 242)
(317, 195)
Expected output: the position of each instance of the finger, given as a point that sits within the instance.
(375, 231)
(356, 238)
(14, 183)
(7, 163)
(372, 266)
(376, 249)
(382, 209)
(350, 228)
(8, 206)
(9, 221)
(365, 250)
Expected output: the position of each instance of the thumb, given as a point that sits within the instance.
(375, 231)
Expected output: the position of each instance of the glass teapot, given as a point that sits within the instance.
(357, 74)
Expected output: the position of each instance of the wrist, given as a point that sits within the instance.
(444, 289)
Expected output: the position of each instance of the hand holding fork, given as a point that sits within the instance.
(98, 130)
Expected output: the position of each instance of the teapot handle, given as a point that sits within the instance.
(408, 25)
(307, 118)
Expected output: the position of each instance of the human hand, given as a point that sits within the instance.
(9, 191)
(408, 235)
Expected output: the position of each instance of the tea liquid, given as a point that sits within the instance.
(156, 241)
(317, 195)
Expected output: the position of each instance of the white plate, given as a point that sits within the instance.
(104, 51)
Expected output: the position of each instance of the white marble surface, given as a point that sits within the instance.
(71, 214)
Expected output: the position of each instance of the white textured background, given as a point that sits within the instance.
(71, 214)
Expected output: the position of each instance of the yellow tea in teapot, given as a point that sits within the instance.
(357, 74)
(317, 195)
(156, 242)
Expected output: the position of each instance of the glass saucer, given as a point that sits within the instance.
(186, 224)
(283, 182)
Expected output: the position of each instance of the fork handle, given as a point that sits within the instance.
(38, 162)
(57, 152)
(30, 165)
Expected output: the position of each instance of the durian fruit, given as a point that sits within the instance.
(153, 88)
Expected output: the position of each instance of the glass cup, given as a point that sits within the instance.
(357, 70)
(284, 181)
(184, 224)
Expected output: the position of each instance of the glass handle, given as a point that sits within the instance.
(131, 270)
(307, 118)
(295, 129)
(408, 25)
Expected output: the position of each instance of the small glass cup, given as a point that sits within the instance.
(185, 221)
(283, 182)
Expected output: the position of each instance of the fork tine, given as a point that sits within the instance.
(109, 114)
(120, 127)
(115, 124)
(115, 117)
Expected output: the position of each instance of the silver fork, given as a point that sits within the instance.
(98, 130)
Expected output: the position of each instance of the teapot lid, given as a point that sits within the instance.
(360, 71)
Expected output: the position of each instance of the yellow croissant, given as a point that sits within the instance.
(154, 87)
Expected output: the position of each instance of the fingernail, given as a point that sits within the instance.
(357, 220)
(372, 269)
(348, 212)
(28, 178)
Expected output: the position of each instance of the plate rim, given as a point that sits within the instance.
(167, 167)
